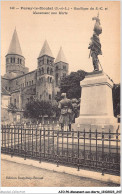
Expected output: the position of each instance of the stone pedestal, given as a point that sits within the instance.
(96, 107)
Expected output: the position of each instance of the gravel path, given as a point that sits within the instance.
(20, 175)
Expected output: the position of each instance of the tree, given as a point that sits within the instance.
(38, 109)
(71, 84)
(116, 99)
(12, 108)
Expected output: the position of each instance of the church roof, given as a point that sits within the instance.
(61, 56)
(14, 47)
(46, 50)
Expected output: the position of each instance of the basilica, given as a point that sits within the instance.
(19, 86)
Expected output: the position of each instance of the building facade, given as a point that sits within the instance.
(43, 83)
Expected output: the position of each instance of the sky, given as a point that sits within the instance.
(72, 31)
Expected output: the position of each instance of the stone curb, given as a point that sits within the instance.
(63, 169)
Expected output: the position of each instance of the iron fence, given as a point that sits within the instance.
(98, 151)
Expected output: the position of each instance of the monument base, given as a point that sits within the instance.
(99, 127)
(98, 120)
(96, 107)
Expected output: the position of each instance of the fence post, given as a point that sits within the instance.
(109, 148)
(44, 141)
(90, 145)
(8, 138)
(53, 143)
(11, 140)
(96, 148)
(48, 142)
(40, 145)
(78, 136)
(102, 153)
(36, 141)
(84, 147)
(57, 148)
(117, 143)
(2, 135)
(14, 137)
(25, 145)
(67, 145)
(18, 139)
(72, 144)
(21, 139)
(32, 141)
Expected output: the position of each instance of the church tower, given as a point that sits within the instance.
(61, 67)
(45, 73)
(15, 61)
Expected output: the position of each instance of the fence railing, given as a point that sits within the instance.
(99, 151)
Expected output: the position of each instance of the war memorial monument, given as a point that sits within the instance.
(96, 107)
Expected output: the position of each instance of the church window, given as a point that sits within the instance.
(56, 78)
(64, 67)
(32, 82)
(51, 71)
(48, 70)
(14, 102)
(11, 59)
(18, 60)
(50, 79)
(42, 70)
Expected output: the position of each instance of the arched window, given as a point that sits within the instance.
(42, 70)
(56, 78)
(18, 60)
(14, 102)
(51, 71)
(48, 70)
(50, 79)
(11, 59)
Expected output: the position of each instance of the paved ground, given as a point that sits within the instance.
(21, 175)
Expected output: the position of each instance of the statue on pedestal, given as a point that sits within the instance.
(95, 45)
(65, 106)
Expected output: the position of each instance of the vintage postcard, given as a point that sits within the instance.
(60, 96)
